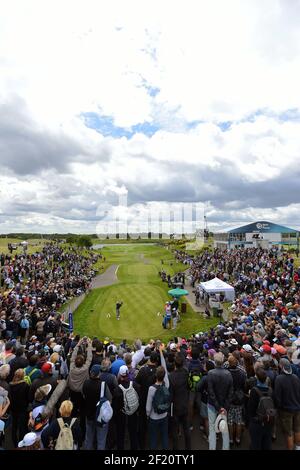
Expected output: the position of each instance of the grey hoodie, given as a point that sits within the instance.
(78, 375)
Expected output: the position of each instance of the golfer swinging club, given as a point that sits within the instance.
(118, 306)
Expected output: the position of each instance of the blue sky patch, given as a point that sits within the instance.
(224, 126)
(105, 126)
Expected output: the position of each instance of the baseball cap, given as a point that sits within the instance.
(42, 392)
(57, 348)
(28, 440)
(47, 368)
(280, 349)
(173, 346)
(95, 370)
(123, 370)
(233, 342)
(266, 349)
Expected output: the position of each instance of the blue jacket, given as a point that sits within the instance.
(115, 367)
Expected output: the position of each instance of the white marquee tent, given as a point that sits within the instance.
(215, 286)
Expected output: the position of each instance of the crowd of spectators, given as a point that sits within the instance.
(240, 377)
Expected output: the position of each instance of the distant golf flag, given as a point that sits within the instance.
(70, 322)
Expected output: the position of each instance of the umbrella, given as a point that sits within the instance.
(177, 292)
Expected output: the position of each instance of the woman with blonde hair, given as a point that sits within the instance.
(51, 433)
(54, 359)
(19, 401)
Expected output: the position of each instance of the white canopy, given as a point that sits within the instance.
(216, 285)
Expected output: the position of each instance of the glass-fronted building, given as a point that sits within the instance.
(259, 234)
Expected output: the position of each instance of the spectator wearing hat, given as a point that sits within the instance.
(220, 391)
(287, 398)
(38, 418)
(30, 442)
(19, 398)
(46, 379)
(91, 393)
(121, 420)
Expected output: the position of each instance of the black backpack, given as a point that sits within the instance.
(238, 397)
(266, 411)
(161, 400)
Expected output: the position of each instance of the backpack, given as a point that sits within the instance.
(131, 399)
(27, 377)
(238, 397)
(193, 379)
(161, 399)
(24, 324)
(65, 439)
(266, 411)
(104, 411)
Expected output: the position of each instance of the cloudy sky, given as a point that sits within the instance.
(170, 102)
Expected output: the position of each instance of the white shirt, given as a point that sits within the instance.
(137, 357)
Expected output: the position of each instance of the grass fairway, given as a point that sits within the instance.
(143, 295)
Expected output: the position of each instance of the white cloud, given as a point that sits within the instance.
(209, 62)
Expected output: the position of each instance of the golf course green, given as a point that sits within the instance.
(143, 294)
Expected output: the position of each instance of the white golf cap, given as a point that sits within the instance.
(28, 440)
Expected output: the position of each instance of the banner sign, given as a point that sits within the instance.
(70, 322)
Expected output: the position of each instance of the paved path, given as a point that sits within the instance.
(191, 300)
(190, 297)
(107, 278)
